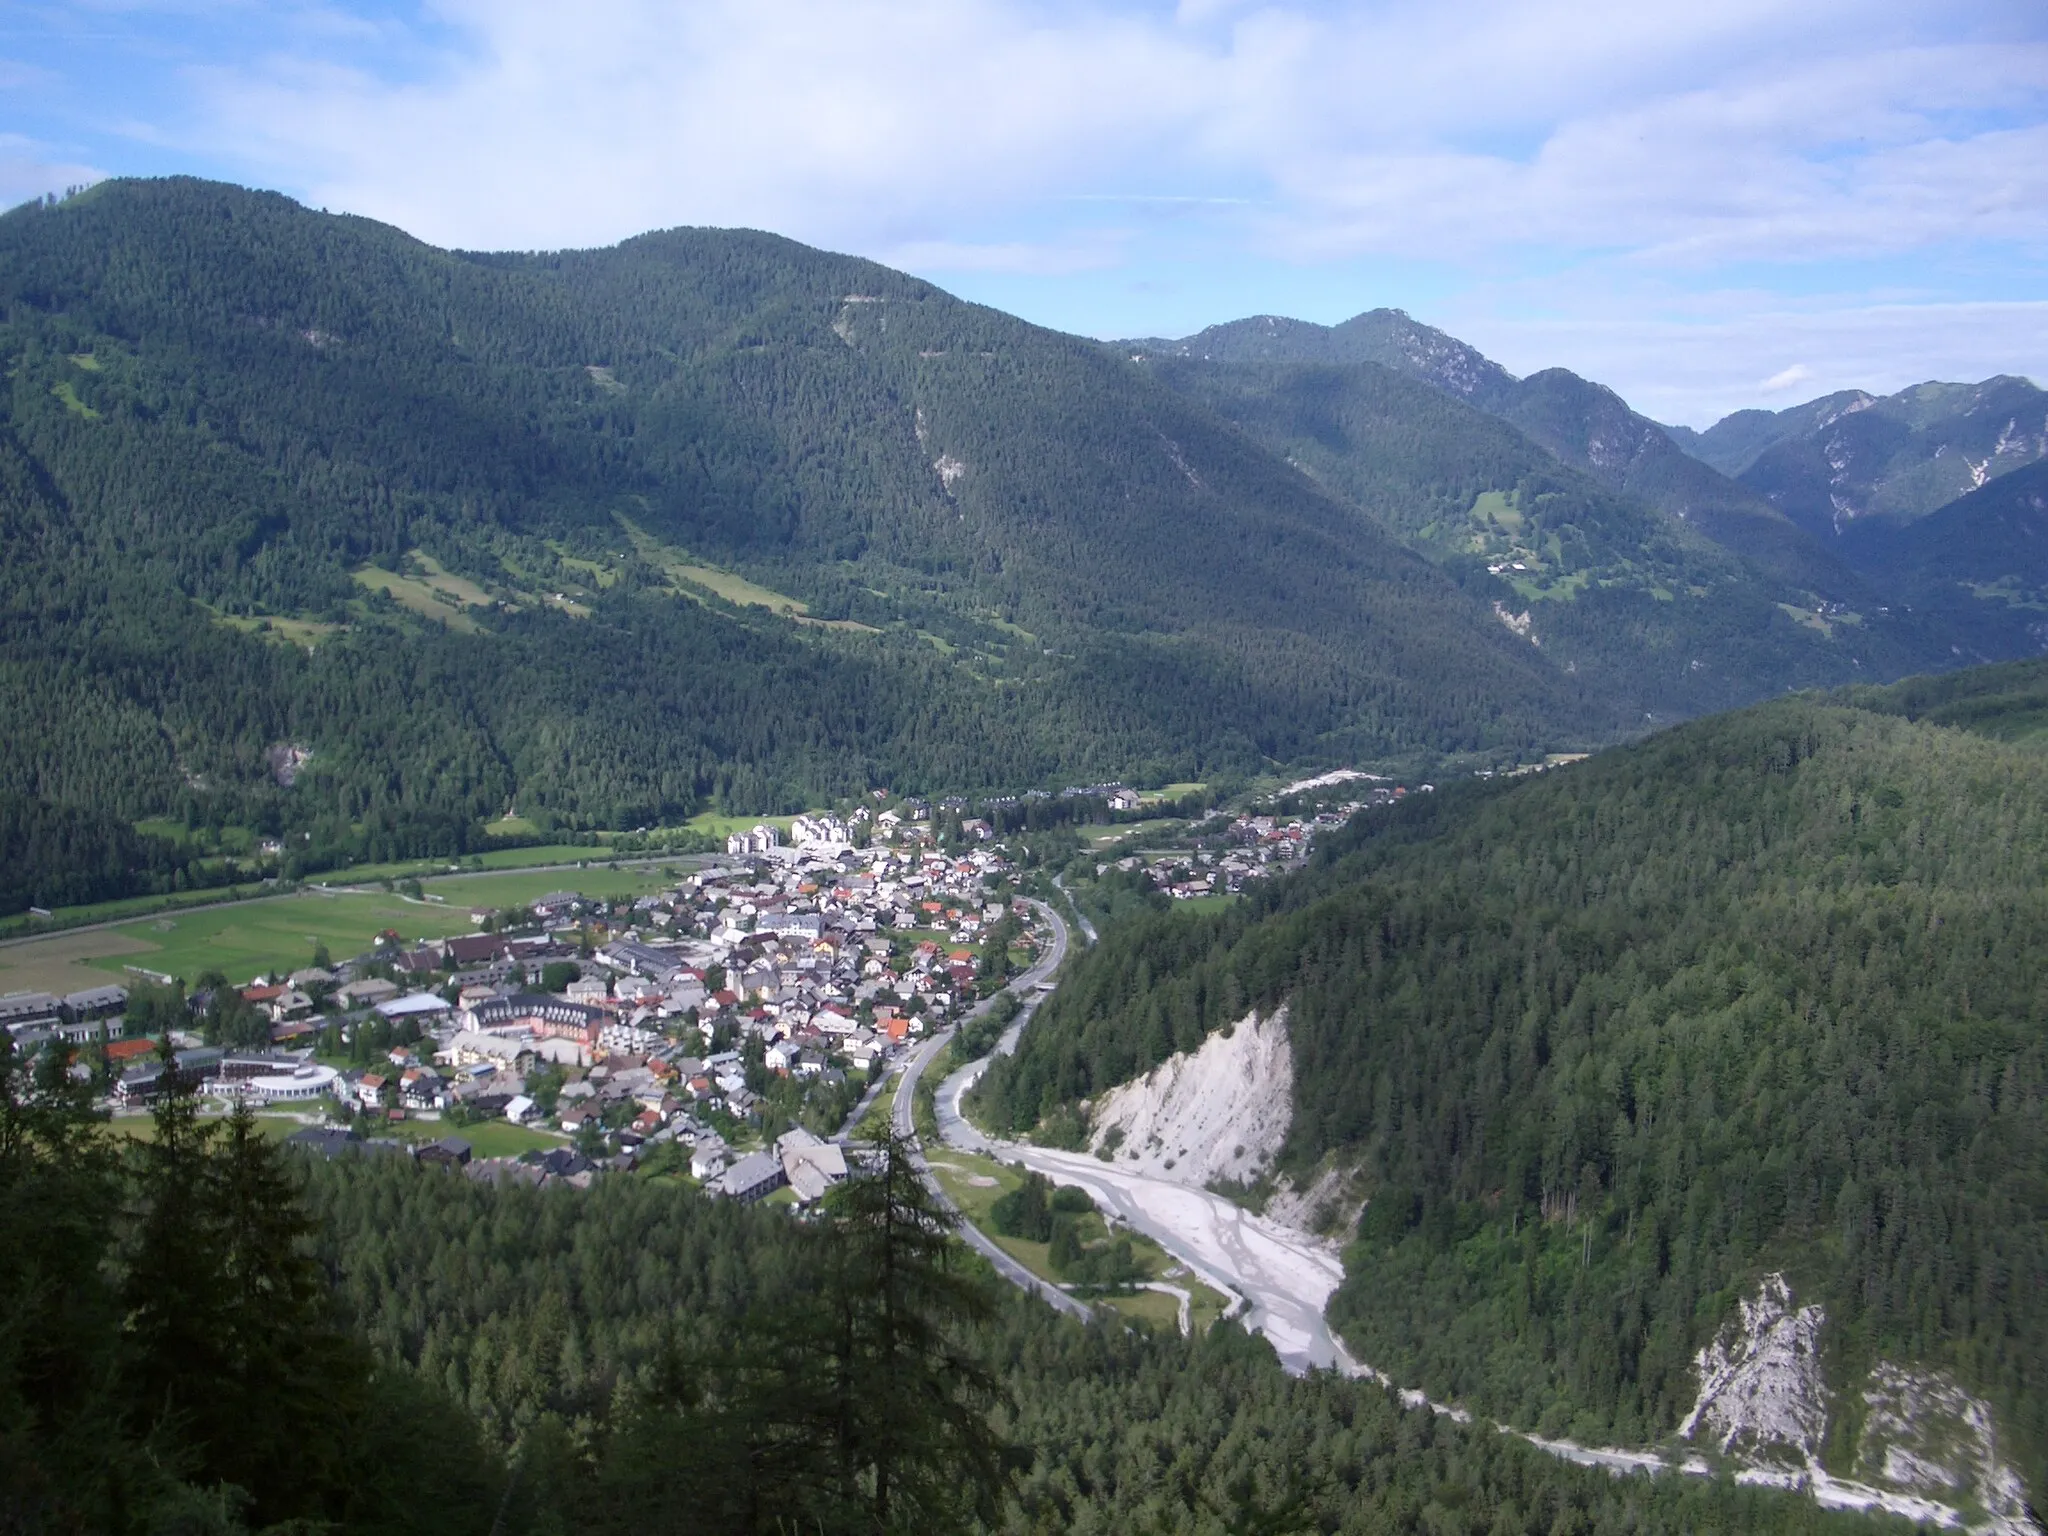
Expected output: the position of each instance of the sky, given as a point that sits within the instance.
(1705, 206)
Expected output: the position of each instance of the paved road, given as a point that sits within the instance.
(1087, 928)
(860, 1110)
(1279, 1278)
(905, 1110)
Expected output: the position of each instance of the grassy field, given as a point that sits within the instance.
(729, 585)
(134, 906)
(876, 1120)
(243, 940)
(976, 1183)
(1156, 1308)
(1134, 832)
(553, 854)
(495, 1138)
(496, 892)
(418, 596)
(563, 858)
(711, 824)
(1215, 903)
(285, 631)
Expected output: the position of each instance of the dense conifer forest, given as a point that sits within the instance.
(214, 1335)
(608, 537)
(1760, 993)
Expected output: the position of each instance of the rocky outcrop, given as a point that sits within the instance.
(1218, 1114)
(1927, 1449)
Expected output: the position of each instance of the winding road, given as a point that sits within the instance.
(904, 1112)
(1276, 1278)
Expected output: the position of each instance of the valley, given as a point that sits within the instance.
(828, 890)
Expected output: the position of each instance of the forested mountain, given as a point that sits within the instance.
(1732, 443)
(1758, 994)
(1583, 424)
(1675, 612)
(1853, 457)
(1270, 365)
(1977, 568)
(478, 531)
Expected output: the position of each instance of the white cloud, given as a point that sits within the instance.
(1618, 145)
(1620, 123)
(1784, 379)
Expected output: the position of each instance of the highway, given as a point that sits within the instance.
(905, 1110)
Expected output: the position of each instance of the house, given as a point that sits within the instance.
(760, 839)
(141, 1084)
(128, 1053)
(23, 1011)
(708, 1158)
(754, 1177)
(472, 950)
(421, 1088)
(519, 1108)
(422, 1008)
(448, 1152)
(370, 1090)
(810, 1166)
(1124, 800)
(330, 1141)
(366, 993)
(471, 1047)
(289, 1004)
(102, 1004)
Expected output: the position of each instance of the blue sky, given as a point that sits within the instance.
(1706, 206)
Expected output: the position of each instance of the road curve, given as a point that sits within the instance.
(904, 1112)
(1277, 1278)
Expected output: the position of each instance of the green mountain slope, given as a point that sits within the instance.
(1833, 462)
(1759, 994)
(610, 535)
(1977, 568)
(1582, 424)
(1640, 604)
(1732, 444)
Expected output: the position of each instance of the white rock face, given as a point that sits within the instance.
(1928, 1450)
(1326, 1204)
(1219, 1113)
(1760, 1380)
(1922, 1432)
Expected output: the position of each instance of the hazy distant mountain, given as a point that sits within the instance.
(1978, 567)
(1651, 575)
(1581, 423)
(1732, 443)
(1832, 461)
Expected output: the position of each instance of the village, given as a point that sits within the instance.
(730, 1027)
